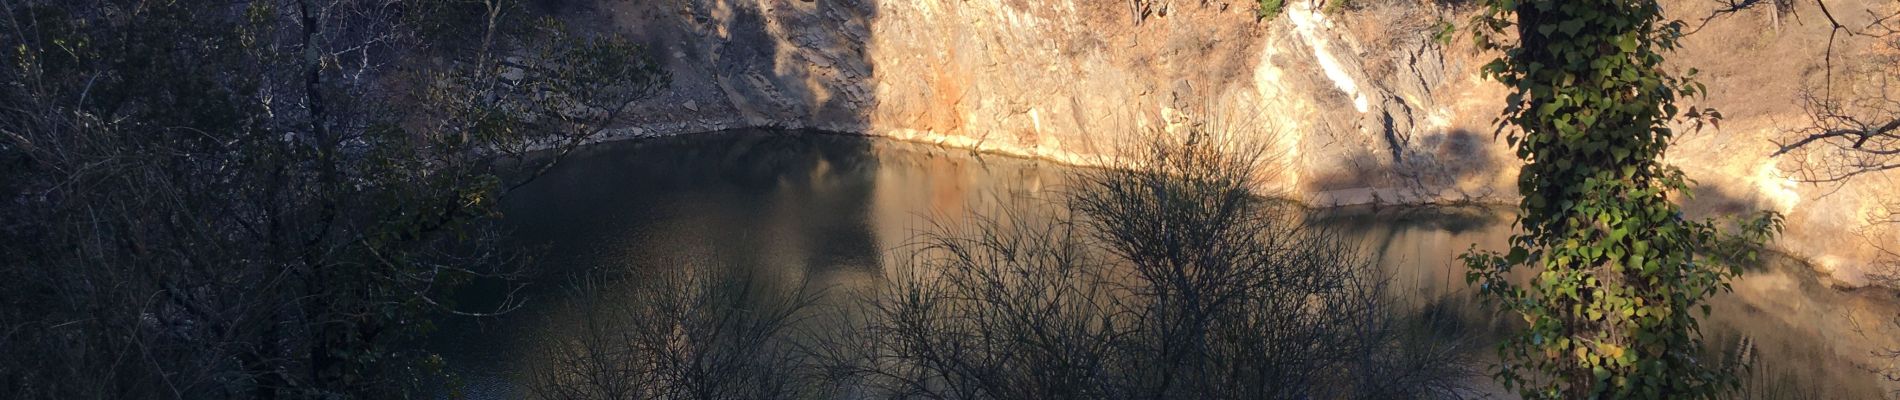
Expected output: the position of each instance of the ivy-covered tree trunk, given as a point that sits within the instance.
(1617, 269)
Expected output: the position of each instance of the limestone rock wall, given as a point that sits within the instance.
(1357, 106)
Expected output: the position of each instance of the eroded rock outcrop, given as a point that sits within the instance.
(1360, 106)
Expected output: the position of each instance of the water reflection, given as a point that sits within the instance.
(1808, 340)
(827, 211)
(784, 207)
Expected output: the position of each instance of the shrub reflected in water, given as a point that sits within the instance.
(1172, 280)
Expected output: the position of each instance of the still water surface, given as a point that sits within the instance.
(826, 210)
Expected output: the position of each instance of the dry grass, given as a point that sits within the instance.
(1388, 29)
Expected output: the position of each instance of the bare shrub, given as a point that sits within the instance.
(682, 335)
(1174, 280)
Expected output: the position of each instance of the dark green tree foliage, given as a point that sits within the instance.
(1615, 269)
(263, 199)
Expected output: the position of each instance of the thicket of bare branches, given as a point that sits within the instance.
(1174, 280)
(683, 334)
(1852, 109)
(1853, 117)
(1851, 129)
(1850, 106)
(262, 199)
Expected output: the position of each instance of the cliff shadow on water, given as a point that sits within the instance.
(769, 206)
(616, 220)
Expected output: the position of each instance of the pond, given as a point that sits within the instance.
(819, 210)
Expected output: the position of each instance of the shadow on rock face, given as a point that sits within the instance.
(739, 63)
(1451, 167)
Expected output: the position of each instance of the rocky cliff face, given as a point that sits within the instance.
(1359, 105)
